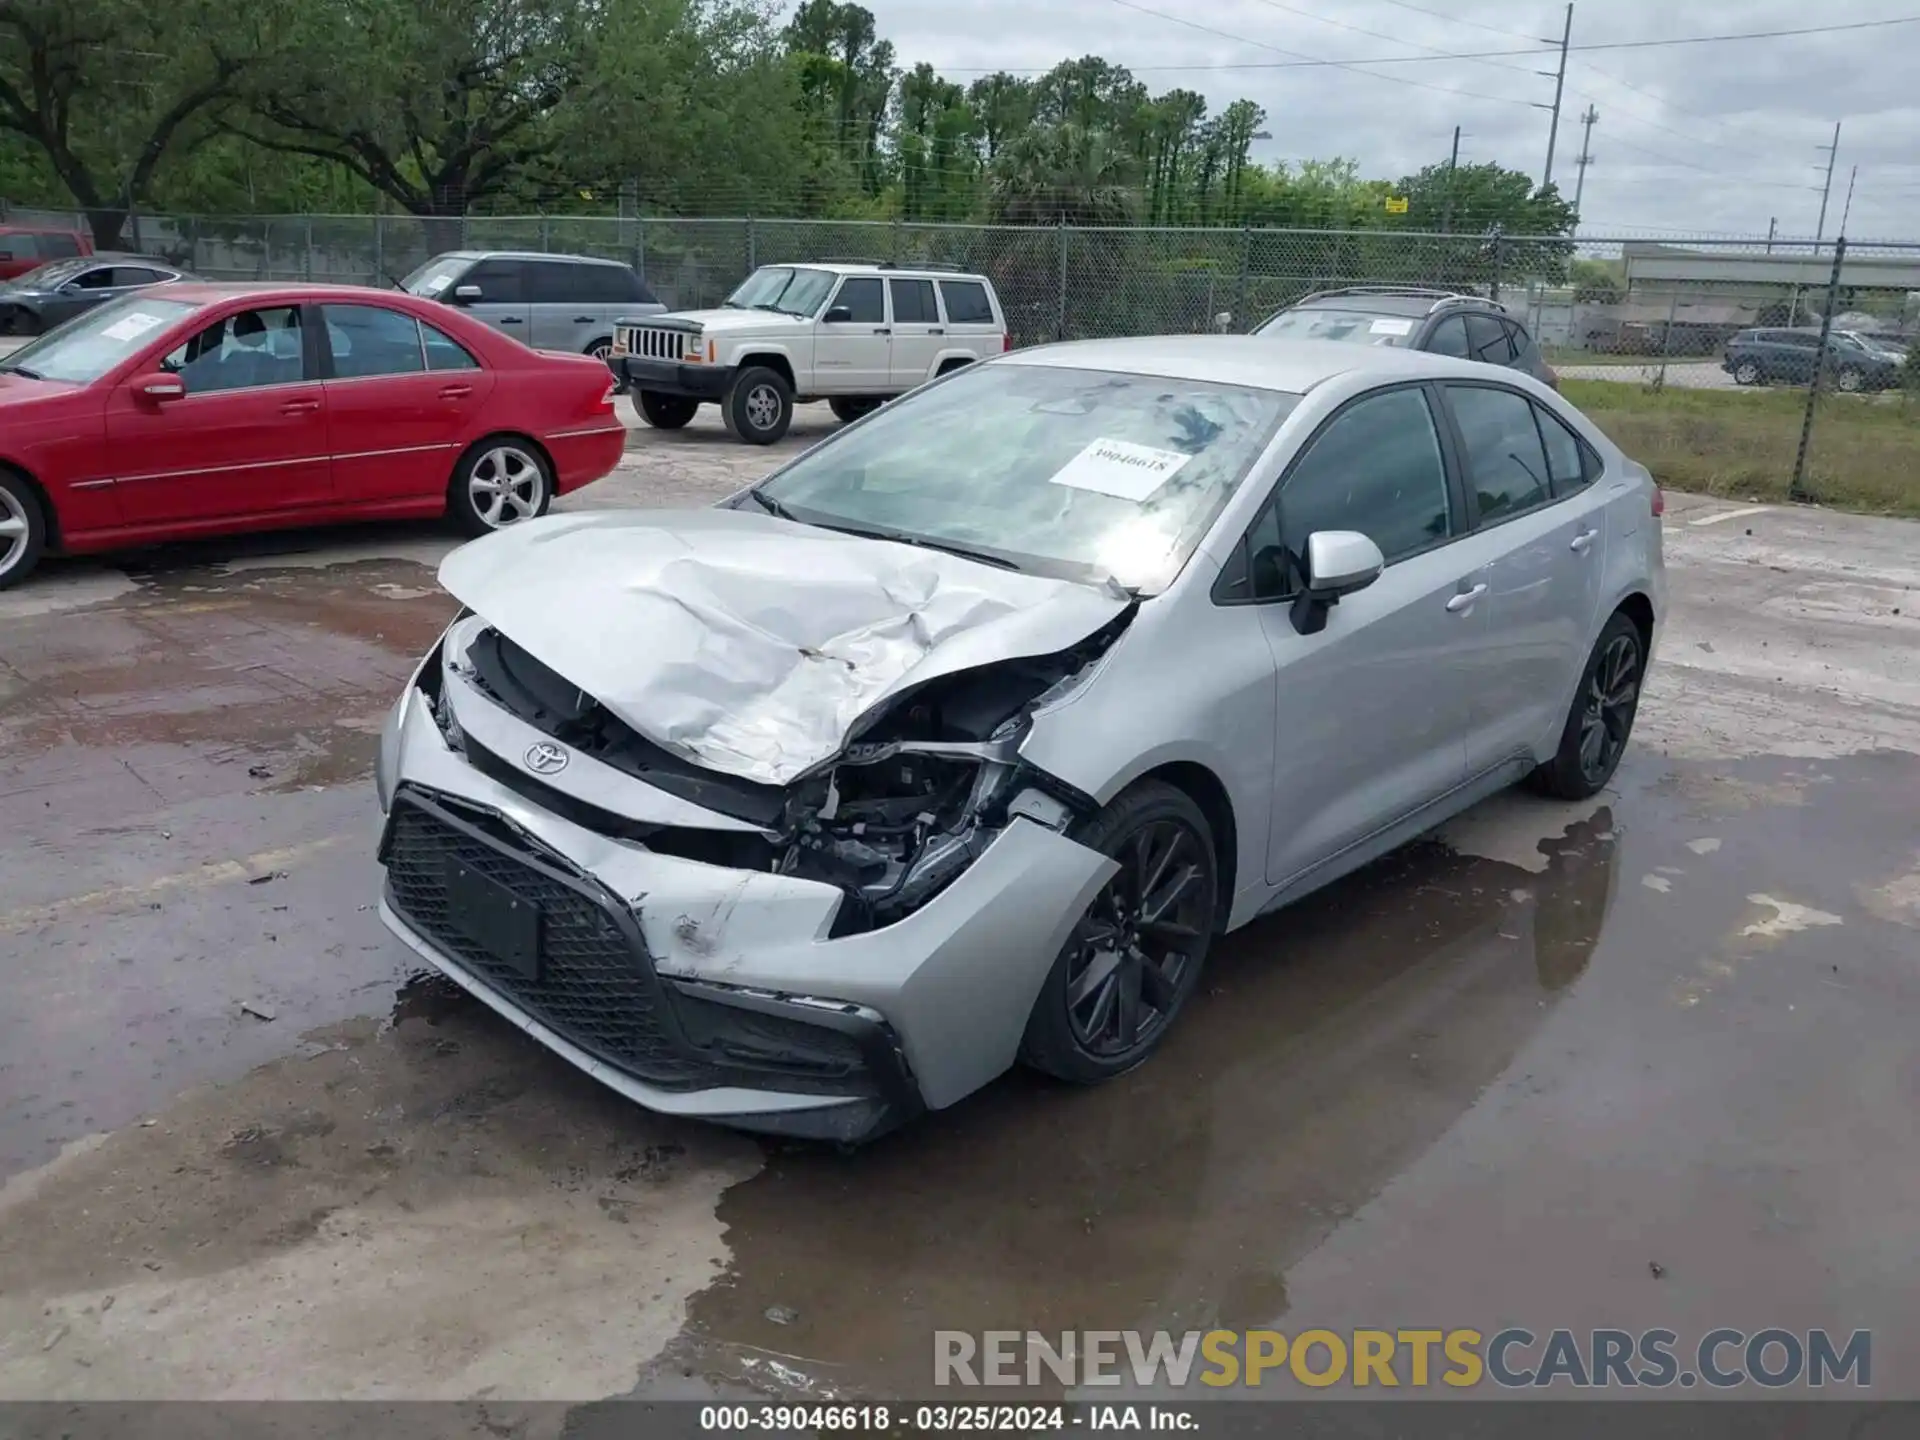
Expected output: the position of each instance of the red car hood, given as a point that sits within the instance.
(18, 390)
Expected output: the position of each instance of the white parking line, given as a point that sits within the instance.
(1725, 515)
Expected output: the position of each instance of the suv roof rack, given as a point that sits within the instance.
(1411, 292)
(885, 264)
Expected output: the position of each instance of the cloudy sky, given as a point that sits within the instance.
(1707, 138)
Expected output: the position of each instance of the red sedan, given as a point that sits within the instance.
(220, 408)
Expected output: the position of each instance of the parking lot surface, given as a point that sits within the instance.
(1646, 1061)
(1684, 374)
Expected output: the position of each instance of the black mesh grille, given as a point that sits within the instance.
(596, 987)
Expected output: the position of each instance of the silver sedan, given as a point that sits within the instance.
(959, 740)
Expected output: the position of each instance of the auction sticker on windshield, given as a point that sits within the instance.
(132, 327)
(1121, 469)
(1388, 326)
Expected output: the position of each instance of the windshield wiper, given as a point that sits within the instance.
(22, 370)
(772, 506)
(904, 537)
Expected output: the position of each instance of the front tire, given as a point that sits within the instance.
(1135, 957)
(847, 409)
(759, 407)
(667, 412)
(1850, 380)
(500, 482)
(1600, 720)
(23, 529)
(1746, 373)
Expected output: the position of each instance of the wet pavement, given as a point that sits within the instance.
(1645, 1061)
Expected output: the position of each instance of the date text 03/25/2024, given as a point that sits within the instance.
(982, 1419)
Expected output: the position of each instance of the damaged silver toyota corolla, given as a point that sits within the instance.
(959, 739)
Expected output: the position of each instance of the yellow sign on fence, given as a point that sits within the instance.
(1396, 204)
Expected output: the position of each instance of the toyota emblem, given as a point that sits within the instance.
(545, 759)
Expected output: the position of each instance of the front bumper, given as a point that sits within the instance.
(670, 377)
(709, 992)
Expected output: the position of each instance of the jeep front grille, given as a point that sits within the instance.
(649, 343)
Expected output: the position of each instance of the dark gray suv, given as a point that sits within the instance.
(1442, 322)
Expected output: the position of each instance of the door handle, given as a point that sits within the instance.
(883, 330)
(1583, 542)
(936, 331)
(455, 392)
(300, 407)
(509, 319)
(583, 319)
(1463, 602)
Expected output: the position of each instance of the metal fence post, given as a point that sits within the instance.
(546, 233)
(1797, 487)
(133, 215)
(1666, 341)
(753, 246)
(1240, 316)
(1499, 258)
(1060, 314)
(640, 246)
(306, 253)
(379, 247)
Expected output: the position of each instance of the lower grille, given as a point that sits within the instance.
(596, 985)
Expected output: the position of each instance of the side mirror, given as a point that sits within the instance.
(1339, 562)
(72, 287)
(465, 294)
(838, 315)
(159, 388)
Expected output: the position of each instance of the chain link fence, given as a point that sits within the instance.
(1656, 338)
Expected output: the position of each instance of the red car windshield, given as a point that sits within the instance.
(88, 346)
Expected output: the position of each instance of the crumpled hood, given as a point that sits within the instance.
(746, 643)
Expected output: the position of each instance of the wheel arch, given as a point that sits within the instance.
(1204, 788)
(1637, 606)
(495, 437)
(49, 514)
(774, 360)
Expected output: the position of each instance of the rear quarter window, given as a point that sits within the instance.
(966, 302)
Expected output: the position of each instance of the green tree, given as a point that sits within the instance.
(846, 72)
(108, 91)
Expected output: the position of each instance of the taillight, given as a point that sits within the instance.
(1006, 342)
(606, 398)
(1659, 503)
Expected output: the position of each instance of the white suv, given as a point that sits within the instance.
(852, 335)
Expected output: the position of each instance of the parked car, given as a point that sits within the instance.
(962, 736)
(1441, 322)
(551, 302)
(61, 289)
(1854, 361)
(205, 409)
(854, 335)
(26, 247)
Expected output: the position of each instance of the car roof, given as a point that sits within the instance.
(208, 292)
(1291, 366)
(879, 267)
(570, 258)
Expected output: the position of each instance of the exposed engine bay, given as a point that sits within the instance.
(912, 799)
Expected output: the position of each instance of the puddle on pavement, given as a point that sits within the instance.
(1332, 1046)
(201, 686)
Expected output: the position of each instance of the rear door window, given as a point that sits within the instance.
(369, 340)
(1488, 341)
(913, 302)
(555, 282)
(1506, 459)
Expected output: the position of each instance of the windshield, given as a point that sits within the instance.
(1360, 327)
(1080, 473)
(436, 275)
(91, 344)
(51, 274)
(782, 288)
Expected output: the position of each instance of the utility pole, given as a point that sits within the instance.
(1559, 86)
(1773, 223)
(1833, 153)
(1847, 209)
(1588, 121)
(1453, 161)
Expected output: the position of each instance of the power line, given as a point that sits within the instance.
(1308, 63)
(1397, 39)
(1460, 20)
(1316, 60)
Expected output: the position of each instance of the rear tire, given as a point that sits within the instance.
(759, 407)
(23, 529)
(848, 409)
(1746, 373)
(667, 412)
(1850, 380)
(1600, 720)
(1135, 956)
(499, 482)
